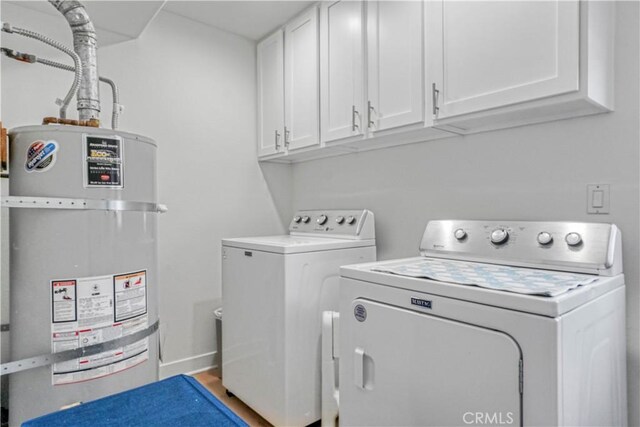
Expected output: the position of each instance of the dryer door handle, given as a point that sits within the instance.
(362, 369)
(358, 367)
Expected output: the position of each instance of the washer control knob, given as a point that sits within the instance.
(573, 239)
(306, 219)
(340, 219)
(545, 238)
(297, 219)
(460, 234)
(499, 236)
(351, 220)
(321, 219)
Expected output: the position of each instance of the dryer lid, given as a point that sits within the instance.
(527, 281)
(551, 306)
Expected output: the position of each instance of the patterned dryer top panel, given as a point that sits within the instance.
(509, 279)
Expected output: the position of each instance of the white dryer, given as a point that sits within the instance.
(274, 290)
(499, 323)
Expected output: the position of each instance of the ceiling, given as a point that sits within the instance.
(119, 21)
(250, 19)
(115, 21)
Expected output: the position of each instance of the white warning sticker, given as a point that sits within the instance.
(93, 310)
(131, 295)
(63, 295)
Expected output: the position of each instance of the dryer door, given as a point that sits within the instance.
(408, 368)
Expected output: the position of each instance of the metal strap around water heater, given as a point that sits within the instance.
(64, 356)
(81, 204)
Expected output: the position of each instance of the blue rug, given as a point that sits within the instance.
(176, 401)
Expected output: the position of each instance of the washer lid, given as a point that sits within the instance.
(294, 244)
(535, 304)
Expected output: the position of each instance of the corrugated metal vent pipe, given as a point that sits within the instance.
(85, 45)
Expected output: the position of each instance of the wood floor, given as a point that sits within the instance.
(214, 385)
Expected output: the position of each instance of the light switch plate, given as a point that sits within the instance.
(598, 199)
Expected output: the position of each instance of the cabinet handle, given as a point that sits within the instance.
(370, 109)
(354, 112)
(435, 93)
(277, 140)
(286, 137)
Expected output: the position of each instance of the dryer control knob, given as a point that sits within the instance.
(499, 236)
(306, 219)
(340, 219)
(297, 219)
(351, 220)
(545, 238)
(573, 239)
(460, 234)
(321, 219)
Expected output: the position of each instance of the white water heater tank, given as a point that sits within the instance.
(83, 265)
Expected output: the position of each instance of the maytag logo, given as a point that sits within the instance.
(421, 302)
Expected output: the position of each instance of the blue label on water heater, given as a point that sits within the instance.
(41, 156)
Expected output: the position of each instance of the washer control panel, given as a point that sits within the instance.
(356, 224)
(556, 245)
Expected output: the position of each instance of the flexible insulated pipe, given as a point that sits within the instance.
(85, 44)
(115, 113)
(7, 28)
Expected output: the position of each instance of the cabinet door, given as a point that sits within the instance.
(341, 69)
(489, 54)
(271, 94)
(404, 368)
(395, 49)
(301, 81)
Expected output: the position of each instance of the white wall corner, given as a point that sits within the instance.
(189, 365)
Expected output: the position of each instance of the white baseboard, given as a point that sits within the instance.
(189, 365)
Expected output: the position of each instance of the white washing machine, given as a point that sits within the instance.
(498, 323)
(274, 290)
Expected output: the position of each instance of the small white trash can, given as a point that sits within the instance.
(218, 357)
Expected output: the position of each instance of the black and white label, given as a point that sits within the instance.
(422, 302)
(103, 161)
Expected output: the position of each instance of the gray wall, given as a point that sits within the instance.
(192, 89)
(537, 172)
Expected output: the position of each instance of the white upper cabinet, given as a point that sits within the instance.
(302, 90)
(486, 55)
(499, 53)
(341, 70)
(270, 95)
(352, 75)
(395, 52)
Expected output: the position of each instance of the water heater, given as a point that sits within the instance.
(83, 266)
(83, 249)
